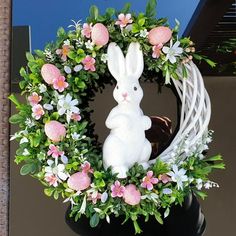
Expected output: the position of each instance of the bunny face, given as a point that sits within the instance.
(128, 91)
(126, 71)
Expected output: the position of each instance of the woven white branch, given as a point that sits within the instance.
(195, 114)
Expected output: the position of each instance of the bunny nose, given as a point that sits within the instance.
(124, 95)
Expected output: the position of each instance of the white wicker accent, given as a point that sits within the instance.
(195, 113)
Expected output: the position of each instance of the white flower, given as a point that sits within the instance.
(151, 196)
(75, 136)
(57, 170)
(83, 206)
(76, 25)
(89, 45)
(210, 184)
(24, 140)
(178, 176)
(78, 68)
(67, 106)
(143, 33)
(67, 69)
(48, 107)
(173, 51)
(26, 152)
(104, 57)
(49, 55)
(67, 42)
(18, 134)
(42, 88)
(30, 123)
(199, 184)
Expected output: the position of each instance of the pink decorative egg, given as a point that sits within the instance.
(50, 72)
(159, 35)
(79, 181)
(55, 130)
(132, 196)
(100, 35)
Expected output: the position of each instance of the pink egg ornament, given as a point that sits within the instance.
(50, 72)
(132, 196)
(99, 34)
(79, 181)
(54, 130)
(159, 35)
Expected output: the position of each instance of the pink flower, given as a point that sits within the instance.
(34, 99)
(60, 84)
(94, 197)
(50, 72)
(164, 178)
(54, 151)
(149, 180)
(156, 50)
(55, 130)
(79, 181)
(88, 63)
(100, 35)
(37, 111)
(124, 20)
(132, 196)
(63, 52)
(117, 190)
(86, 168)
(160, 34)
(75, 117)
(51, 179)
(87, 29)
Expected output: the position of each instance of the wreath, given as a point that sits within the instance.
(57, 144)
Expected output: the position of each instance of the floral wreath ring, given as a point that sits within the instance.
(56, 141)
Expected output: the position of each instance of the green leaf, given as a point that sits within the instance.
(48, 191)
(141, 21)
(29, 56)
(126, 8)
(61, 32)
(151, 8)
(56, 195)
(16, 119)
(94, 12)
(13, 98)
(110, 12)
(158, 217)
(202, 195)
(28, 168)
(184, 72)
(215, 158)
(210, 62)
(218, 166)
(39, 53)
(94, 220)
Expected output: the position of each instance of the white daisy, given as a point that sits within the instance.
(42, 88)
(89, 45)
(104, 57)
(143, 33)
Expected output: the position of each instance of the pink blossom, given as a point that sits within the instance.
(132, 195)
(79, 181)
(117, 190)
(87, 29)
(124, 20)
(160, 34)
(34, 99)
(50, 72)
(51, 179)
(75, 117)
(60, 84)
(149, 180)
(37, 111)
(54, 151)
(63, 52)
(86, 168)
(156, 50)
(164, 178)
(94, 197)
(100, 34)
(88, 63)
(55, 130)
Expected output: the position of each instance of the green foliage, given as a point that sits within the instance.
(151, 8)
(94, 220)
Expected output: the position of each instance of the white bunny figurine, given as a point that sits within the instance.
(126, 143)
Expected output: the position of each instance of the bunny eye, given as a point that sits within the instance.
(135, 88)
(117, 87)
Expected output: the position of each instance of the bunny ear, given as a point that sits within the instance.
(116, 61)
(134, 60)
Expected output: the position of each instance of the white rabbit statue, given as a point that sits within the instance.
(126, 143)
